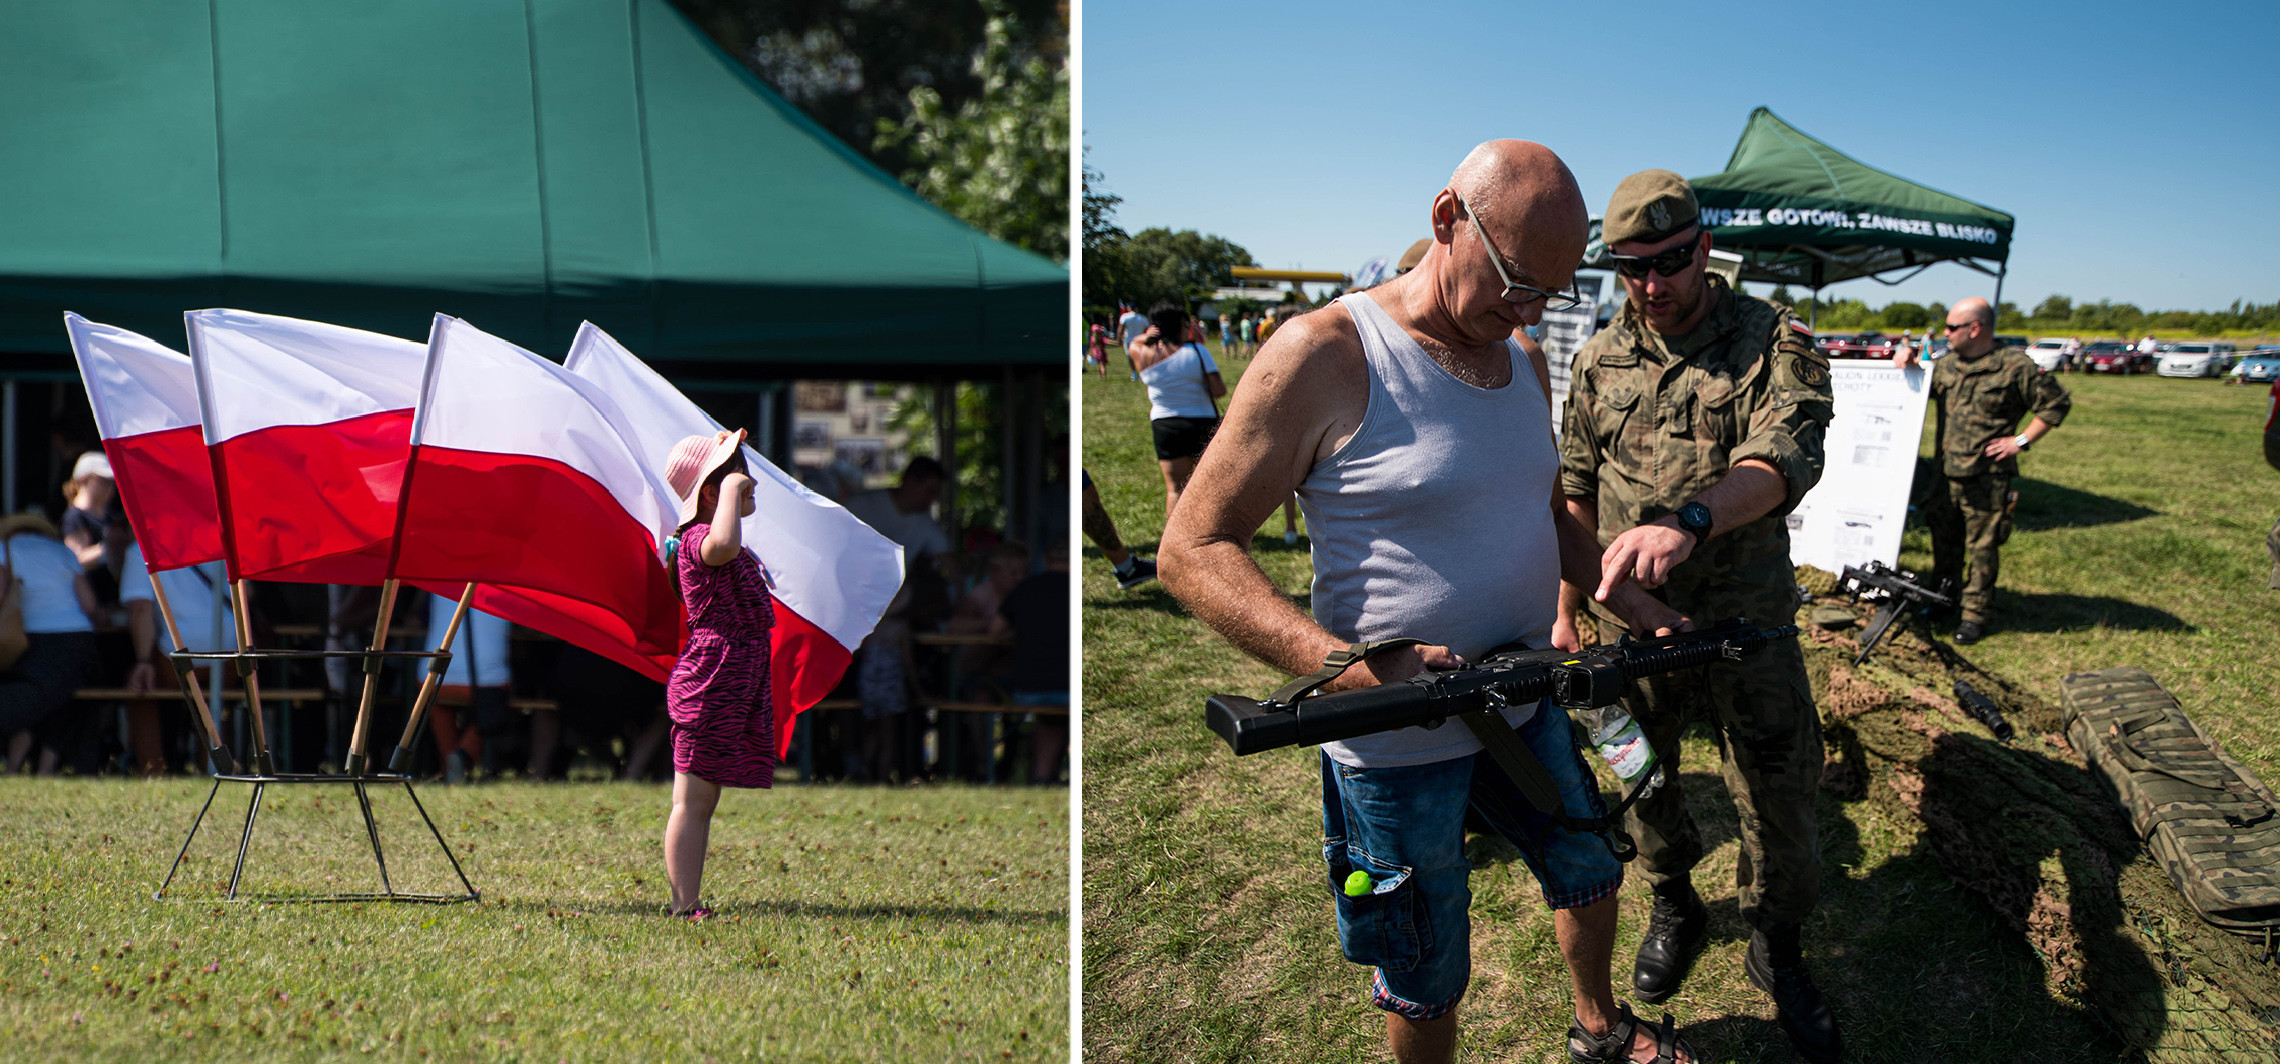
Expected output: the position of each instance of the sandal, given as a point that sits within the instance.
(1615, 1046)
(698, 915)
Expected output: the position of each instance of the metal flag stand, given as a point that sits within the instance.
(245, 661)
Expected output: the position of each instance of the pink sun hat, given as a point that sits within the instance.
(692, 463)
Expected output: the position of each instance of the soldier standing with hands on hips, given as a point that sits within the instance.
(1980, 392)
(1694, 425)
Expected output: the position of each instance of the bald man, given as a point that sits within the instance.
(1694, 425)
(1980, 392)
(1417, 437)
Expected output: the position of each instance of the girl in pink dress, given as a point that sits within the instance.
(724, 728)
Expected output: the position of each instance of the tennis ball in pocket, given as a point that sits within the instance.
(1358, 883)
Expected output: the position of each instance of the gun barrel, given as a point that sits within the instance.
(1985, 709)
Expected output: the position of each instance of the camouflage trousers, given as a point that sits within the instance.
(1970, 520)
(1769, 747)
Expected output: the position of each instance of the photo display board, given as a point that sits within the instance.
(1855, 514)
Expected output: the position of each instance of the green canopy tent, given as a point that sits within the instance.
(524, 165)
(1802, 213)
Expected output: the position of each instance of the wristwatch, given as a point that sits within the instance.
(1695, 517)
(2022, 440)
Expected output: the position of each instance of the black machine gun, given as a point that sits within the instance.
(1508, 676)
(1895, 591)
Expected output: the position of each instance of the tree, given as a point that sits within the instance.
(1000, 160)
(1903, 315)
(1782, 295)
(1104, 269)
(850, 63)
(2054, 308)
(1161, 266)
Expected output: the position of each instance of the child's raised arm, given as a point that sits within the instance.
(726, 536)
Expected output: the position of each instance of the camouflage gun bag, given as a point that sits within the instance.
(2211, 823)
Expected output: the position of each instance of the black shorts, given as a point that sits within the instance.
(1182, 437)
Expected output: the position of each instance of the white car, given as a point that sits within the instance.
(2195, 360)
(2046, 352)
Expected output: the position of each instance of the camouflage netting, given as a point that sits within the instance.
(2027, 830)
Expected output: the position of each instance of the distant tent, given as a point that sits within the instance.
(521, 165)
(1802, 213)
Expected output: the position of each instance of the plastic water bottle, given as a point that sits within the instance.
(1621, 744)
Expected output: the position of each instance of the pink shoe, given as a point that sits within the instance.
(698, 915)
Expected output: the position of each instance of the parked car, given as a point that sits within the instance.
(2046, 353)
(2113, 356)
(1861, 345)
(2010, 341)
(2195, 359)
(2262, 366)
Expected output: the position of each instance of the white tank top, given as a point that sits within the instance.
(1175, 385)
(1434, 521)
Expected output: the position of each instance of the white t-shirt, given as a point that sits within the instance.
(1175, 385)
(1131, 325)
(191, 596)
(2147, 346)
(479, 651)
(47, 568)
(917, 533)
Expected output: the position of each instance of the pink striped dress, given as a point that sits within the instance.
(724, 722)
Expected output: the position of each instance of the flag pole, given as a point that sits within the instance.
(223, 762)
(357, 736)
(400, 762)
(252, 680)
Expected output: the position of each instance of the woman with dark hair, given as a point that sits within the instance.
(1184, 387)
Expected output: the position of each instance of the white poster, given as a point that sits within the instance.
(1561, 336)
(1854, 515)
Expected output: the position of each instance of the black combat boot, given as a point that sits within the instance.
(1775, 964)
(1676, 930)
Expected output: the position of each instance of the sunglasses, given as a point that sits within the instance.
(1528, 293)
(1665, 264)
(1957, 326)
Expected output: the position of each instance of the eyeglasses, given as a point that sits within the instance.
(1667, 263)
(1530, 293)
(1956, 326)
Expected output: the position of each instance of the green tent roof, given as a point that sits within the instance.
(1803, 213)
(521, 165)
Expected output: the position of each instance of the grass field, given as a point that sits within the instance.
(1207, 932)
(925, 923)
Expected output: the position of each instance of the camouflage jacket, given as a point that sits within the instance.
(1983, 398)
(1653, 421)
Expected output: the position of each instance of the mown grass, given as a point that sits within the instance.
(855, 924)
(1208, 934)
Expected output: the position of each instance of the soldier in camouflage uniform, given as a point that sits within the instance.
(1980, 392)
(1694, 425)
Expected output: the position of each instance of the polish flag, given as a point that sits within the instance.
(146, 409)
(833, 575)
(309, 426)
(521, 482)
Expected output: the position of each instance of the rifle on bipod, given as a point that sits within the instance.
(1507, 676)
(1895, 591)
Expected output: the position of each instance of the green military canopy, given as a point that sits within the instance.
(1802, 213)
(523, 165)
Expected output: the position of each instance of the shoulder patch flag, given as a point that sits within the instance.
(1800, 327)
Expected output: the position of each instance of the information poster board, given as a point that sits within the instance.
(1561, 336)
(1855, 514)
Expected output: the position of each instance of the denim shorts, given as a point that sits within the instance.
(1405, 827)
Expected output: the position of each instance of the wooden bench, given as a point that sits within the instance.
(293, 695)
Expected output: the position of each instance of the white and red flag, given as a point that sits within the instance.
(833, 575)
(308, 426)
(521, 482)
(146, 408)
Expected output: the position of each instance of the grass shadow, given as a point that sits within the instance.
(2044, 506)
(2057, 612)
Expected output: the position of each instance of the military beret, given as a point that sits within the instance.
(1649, 206)
(1413, 256)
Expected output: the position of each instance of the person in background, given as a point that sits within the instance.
(1131, 569)
(905, 512)
(1226, 336)
(193, 593)
(2070, 356)
(1184, 387)
(1035, 615)
(2146, 349)
(478, 678)
(1096, 348)
(59, 625)
(976, 614)
(93, 527)
(1248, 336)
(1978, 394)
(1130, 324)
(600, 701)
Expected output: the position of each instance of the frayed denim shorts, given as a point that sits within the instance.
(1405, 827)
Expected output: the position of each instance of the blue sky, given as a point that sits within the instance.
(2138, 146)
